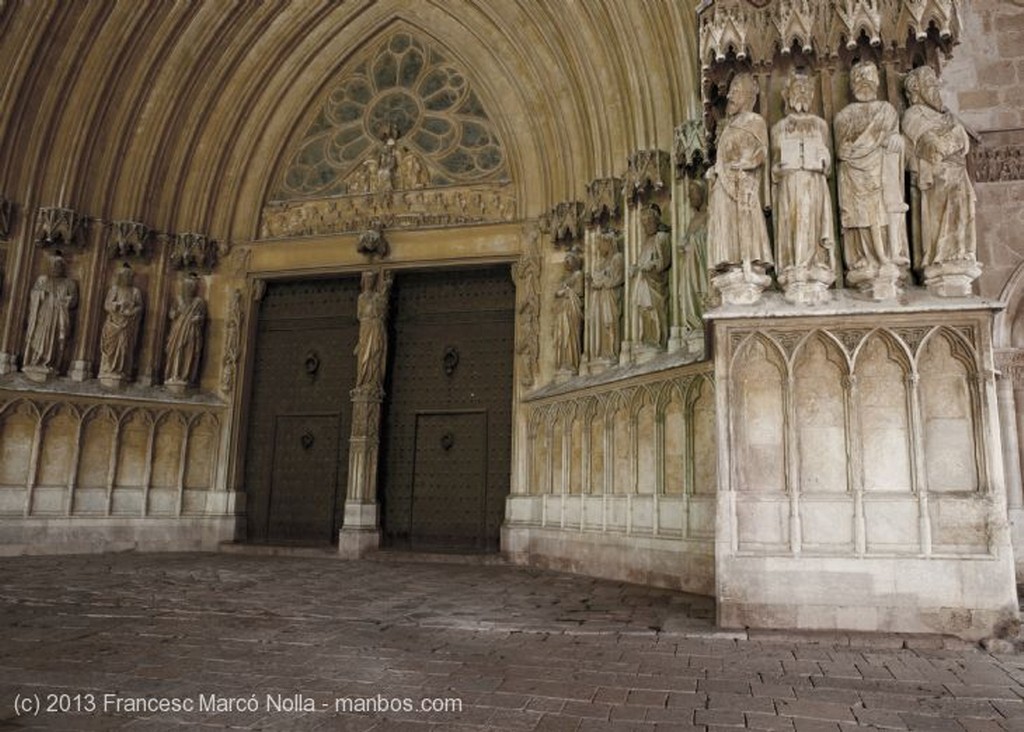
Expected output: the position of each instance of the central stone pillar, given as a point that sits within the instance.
(360, 532)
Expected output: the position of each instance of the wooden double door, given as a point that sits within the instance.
(445, 447)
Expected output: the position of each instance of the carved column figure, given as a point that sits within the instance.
(937, 158)
(52, 302)
(526, 274)
(738, 247)
(232, 344)
(872, 210)
(184, 348)
(694, 269)
(567, 334)
(360, 532)
(604, 310)
(650, 279)
(804, 229)
(120, 334)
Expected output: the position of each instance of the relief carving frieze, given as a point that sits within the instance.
(998, 164)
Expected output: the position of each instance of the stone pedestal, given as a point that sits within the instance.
(111, 381)
(807, 285)
(80, 371)
(360, 532)
(741, 286)
(885, 283)
(175, 386)
(39, 374)
(861, 482)
(952, 279)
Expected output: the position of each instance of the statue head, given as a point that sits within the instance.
(124, 276)
(55, 265)
(189, 286)
(864, 81)
(573, 261)
(607, 242)
(369, 279)
(922, 87)
(798, 92)
(650, 218)
(743, 93)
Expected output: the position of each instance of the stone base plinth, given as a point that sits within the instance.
(111, 381)
(879, 284)
(862, 486)
(176, 387)
(807, 285)
(39, 374)
(952, 279)
(741, 286)
(80, 371)
(360, 534)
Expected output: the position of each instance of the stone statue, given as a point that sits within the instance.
(738, 246)
(568, 329)
(650, 279)
(120, 333)
(372, 310)
(872, 211)
(51, 302)
(938, 162)
(693, 278)
(184, 347)
(604, 311)
(804, 228)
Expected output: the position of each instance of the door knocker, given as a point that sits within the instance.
(312, 363)
(447, 441)
(450, 360)
(306, 440)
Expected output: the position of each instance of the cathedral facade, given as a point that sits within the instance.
(724, 298)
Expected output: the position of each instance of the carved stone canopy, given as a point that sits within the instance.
(604, 200)
(194, 251)
(566, 222)
(691, 148)
(755, 31)
(648, 171)
(56, 226)
(128, 238)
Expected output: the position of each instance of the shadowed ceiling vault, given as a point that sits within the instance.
(178, 113)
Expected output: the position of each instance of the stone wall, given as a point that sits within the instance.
(861, 478)
(617, 478)
(79, 473)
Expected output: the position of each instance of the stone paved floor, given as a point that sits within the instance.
(519, 649)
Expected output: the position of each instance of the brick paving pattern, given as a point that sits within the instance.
(520, 649)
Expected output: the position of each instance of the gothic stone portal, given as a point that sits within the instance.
(446, 447)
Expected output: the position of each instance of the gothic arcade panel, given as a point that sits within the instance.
(304, 369)
(448, 407)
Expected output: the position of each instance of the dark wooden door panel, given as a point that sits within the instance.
(303, 364)
(303, 486)
(451, 352)
(449, 481)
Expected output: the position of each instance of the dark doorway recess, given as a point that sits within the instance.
(300, 415)
(446, 446)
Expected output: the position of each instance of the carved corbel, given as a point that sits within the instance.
(56, 226)
(6, 217)
(372, 242)
(604, 200)
(128, 239)
(565, 223)
(647, 173)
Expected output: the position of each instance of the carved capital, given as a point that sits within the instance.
(648, 171)
(372, 242)
(57, 226)
(128, 238)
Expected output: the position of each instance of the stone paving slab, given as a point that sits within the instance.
(219, 641)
